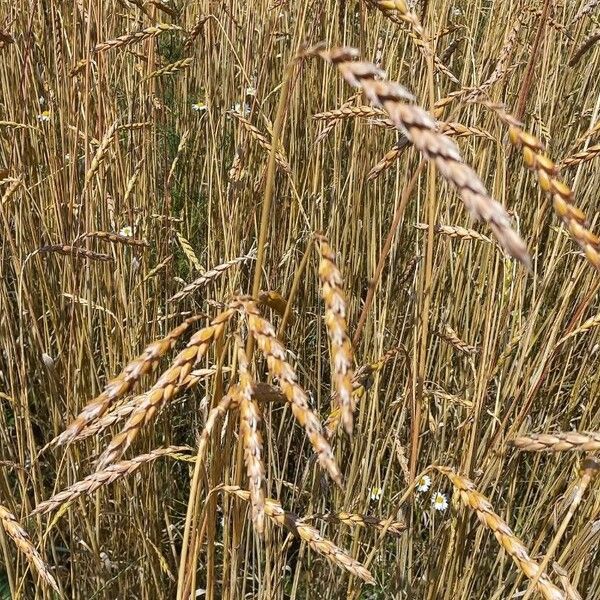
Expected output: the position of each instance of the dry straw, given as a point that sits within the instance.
(471, 498)
(308, 534)
(23, 543)
(337, 328)
(422, 130)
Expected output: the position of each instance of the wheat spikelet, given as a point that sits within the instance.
(399, 12)
(359, 520)
(138, 36)
(249, 423)
(171, 68)
(102, 478)
(280, 368)
(114, 238)
(471, 498)
(562, 196)
(449, 335)
(337, 328)
(308, 534)
(210, 276)
(584, 47)
(124, 382)
(455, 232)
(584, 441)
(23, 543)
(262, 141)
(581, 157)
(421, 129)
(74, 251)
(169, 383)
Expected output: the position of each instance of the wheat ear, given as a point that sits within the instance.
(584, 441)
(581, 157)
(23, 543)
(279, 368)
(138, 36)
(471, 498)
(337, 328)
(359, 520)
(249, 423)
(102, 478)
(449, 335)
(168, 384)
(124, 382)
(309, 534)
(562, 196)
(74, 251)
(210, 276)
(421, 129)
(456, 232)
(114, 238)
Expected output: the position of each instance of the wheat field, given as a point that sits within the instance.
(299, 299)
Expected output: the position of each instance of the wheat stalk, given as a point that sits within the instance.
(471, 498)
(124, 382)
(103, 478)
(23, 543)
(168, 384)
(584, 441)
(421, 129)
(279, 368)
(337, 329)
(308, 534)
(138, 36)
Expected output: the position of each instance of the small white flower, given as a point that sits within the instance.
(242, 110)
(423, 483)
(44, 117)
(42, 100)
(456, 12)
(251, 91)
(439, 502)
(126, 231)
(199, 106)
(376, 493)
(67, 157)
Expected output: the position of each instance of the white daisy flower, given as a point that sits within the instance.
(199, 106)
(423, 483)
(242, 110)
(42, 100)
(126, 231)
(376, 493)
(439, 502)
(44, 117)
(251, 91)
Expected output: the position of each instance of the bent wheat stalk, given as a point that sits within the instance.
(584, 441)
(308, 534)
(422, 130)
(471, 498)
(169, 383)
(337, 328)
(23, 543)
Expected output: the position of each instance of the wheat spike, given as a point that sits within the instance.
(249, 423)
(421, 129)
(584, 441)
(581, 157)
(562, 196)
(456, 232)
(168, 384)
(449, 335)
(210, 276)
(337, 328)
(138, 36)
(172, 68)
(74, 251)
(279, 368)
(113, 238)
(359, 520)
(585, 10)
(471, 498)
(584, 47)
(188, 251)
(124, 382)
(102, 478)
(308, 534)
(23, 543)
